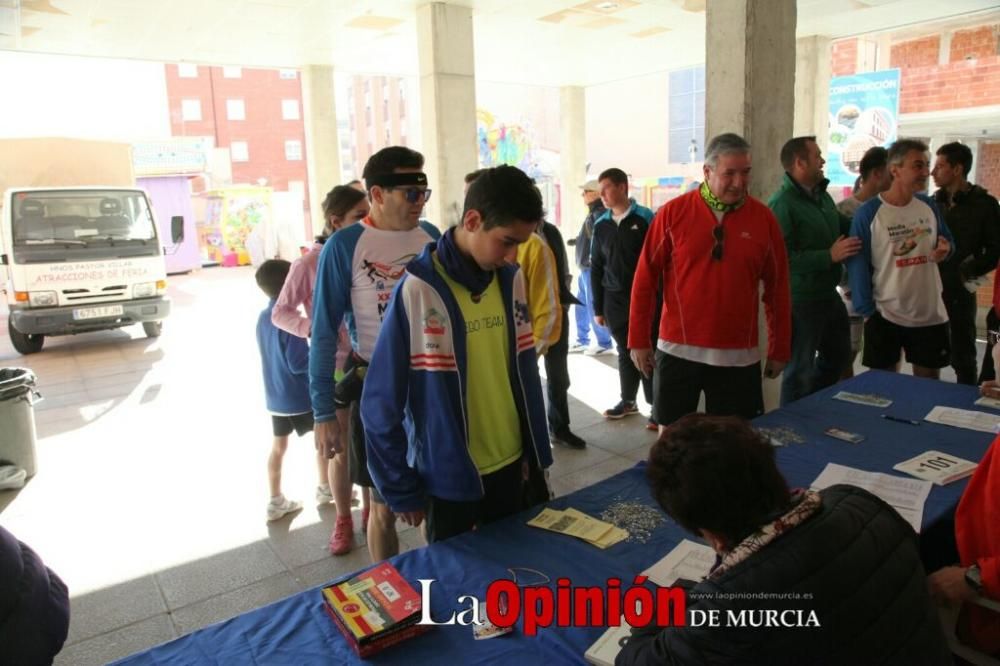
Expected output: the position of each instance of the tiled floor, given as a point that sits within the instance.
(150, 495)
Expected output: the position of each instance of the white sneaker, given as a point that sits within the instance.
(323, 495)
(576, 347)
(597, 351)
(280, 507)
(12, 478)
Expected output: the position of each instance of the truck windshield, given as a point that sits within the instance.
(81, 219)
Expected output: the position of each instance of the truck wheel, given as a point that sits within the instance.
(25, 343)
(152, 328)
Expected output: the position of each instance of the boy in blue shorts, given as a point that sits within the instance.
(284, 359)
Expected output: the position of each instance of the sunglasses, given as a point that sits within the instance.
(719, 232)
(413, 194)
(993, 337)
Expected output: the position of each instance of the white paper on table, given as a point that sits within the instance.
(985, 401)
(965, 418)
(688, 560)
(906, 496)
(605, 650)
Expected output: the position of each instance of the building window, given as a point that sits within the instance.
(388, 137)
(190, 110)
(368, 116)
(236, 109)
(687, 115)
(287, 74)
(385, 109)
(239, 151)
(187, 70)
(232, 72)
(293, 150)
(290, 109)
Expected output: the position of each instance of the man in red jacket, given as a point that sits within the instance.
(977, 535)
(712, 247)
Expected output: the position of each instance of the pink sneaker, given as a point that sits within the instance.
(343, 536)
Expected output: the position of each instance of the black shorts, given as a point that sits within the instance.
(356, 449)
(284, 425)
(505, 492)
(926, 346)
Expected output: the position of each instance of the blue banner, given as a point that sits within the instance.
(864, 112)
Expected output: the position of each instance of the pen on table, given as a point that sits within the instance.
(898, 419)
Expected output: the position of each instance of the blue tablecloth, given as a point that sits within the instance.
(298, 631)
(886, 442)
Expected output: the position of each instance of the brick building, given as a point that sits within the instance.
(377, 116)
(254, 113)
(949, 89)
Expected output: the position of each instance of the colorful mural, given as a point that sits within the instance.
(231, 214)
(507, 143)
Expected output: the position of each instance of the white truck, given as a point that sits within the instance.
(79, 248)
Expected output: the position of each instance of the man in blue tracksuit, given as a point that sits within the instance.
(614, 253)
(452, 404)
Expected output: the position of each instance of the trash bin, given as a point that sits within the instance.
(17, 418)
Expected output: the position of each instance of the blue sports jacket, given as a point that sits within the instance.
(413, 406)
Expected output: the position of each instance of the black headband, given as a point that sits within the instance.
(396, 179)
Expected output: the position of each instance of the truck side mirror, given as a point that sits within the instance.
(177, 229)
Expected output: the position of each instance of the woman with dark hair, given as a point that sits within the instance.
(839, 567)
(34, 605)
(343, 206)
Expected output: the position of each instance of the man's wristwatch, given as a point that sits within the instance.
(974, 578)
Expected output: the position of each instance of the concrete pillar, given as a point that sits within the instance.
(750, 89)
(973, 145)
(750, 80)
(572, 159)
(322, 143)
(812, 88)
(884, 59)
(944, 48)
(447, 105)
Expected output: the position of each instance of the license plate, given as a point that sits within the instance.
(98, 312)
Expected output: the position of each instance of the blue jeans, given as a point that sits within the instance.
(821, 348)
(585, 314)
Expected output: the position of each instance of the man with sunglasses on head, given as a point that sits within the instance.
(711, 248)
(357, 270)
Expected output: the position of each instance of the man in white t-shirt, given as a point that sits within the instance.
(895, 284)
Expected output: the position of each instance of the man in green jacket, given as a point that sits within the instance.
(817, 243)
